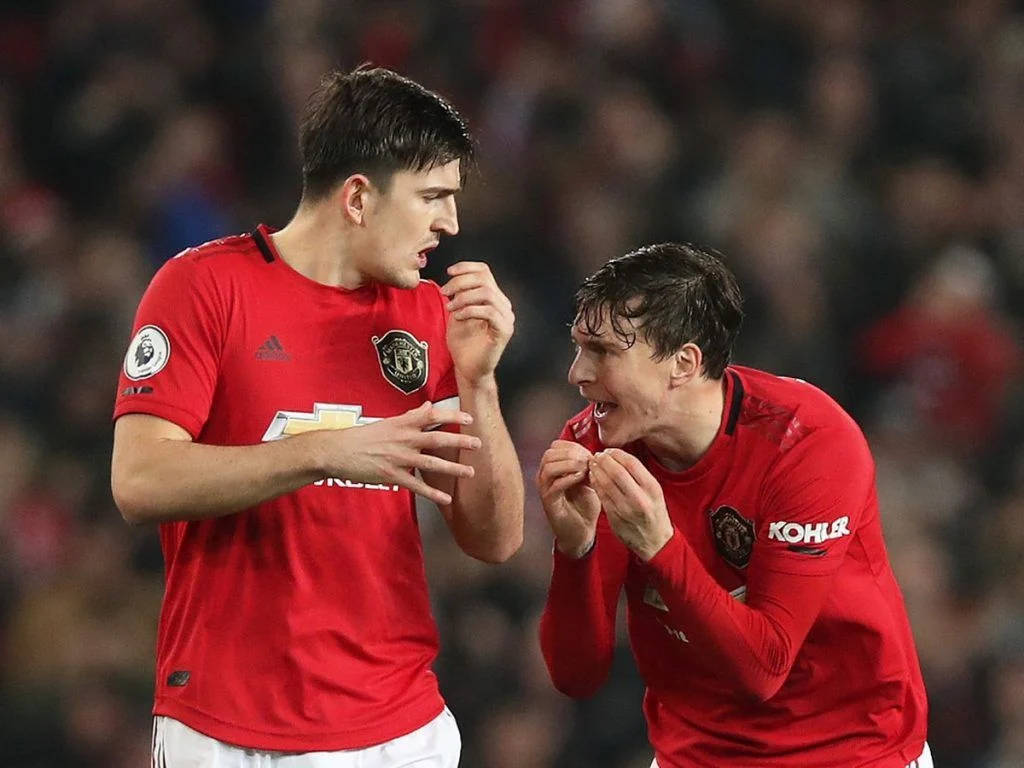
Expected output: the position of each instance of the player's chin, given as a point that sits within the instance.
(611, 437)
(408, 278)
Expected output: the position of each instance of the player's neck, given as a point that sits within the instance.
(689, 425)
(314, 244)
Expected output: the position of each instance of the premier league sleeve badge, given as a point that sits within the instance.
(147, 354)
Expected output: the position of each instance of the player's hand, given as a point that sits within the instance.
(570, 504)
(387, 451)
(633, 501)
(481, 319)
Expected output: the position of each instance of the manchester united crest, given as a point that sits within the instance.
(734, 536)
(403, 360)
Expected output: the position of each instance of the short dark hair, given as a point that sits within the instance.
(674, 294)
(374, 121)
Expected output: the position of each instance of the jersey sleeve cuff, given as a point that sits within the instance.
(184, 419)
(669, 557)
(564, 560)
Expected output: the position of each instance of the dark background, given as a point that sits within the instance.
(860, 163)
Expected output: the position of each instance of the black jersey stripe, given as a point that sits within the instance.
(263, 245)
(736, 404)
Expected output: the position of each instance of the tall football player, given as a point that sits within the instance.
(738, 511)
(280, 394)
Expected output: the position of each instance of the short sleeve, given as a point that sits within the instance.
(171, 366)
(814, 499)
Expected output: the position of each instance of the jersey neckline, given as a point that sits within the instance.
(733, 400)
(268, 250)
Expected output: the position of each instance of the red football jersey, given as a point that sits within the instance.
(301, 624)
(770, 629)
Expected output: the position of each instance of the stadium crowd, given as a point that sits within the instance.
(860, 163)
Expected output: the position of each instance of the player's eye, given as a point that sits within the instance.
(595, 350)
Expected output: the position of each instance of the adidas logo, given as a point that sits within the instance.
(271, 349)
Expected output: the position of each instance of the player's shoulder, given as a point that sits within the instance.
(220, 251)
(210, 264)
(785, 410)
(213, 260)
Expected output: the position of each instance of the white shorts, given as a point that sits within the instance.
(436, 745)
(924, 760)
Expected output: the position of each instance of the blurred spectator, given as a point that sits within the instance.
(861, 165)
(947, 351)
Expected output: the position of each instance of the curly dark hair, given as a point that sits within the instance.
(673, 294)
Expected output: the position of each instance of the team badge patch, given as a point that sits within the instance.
(403, 360)
(734, 536)
(147, 354)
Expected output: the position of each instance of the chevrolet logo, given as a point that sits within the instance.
(324, 416)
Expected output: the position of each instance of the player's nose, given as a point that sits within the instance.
(579, 372)
(448, 221)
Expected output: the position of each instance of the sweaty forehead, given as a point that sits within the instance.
(579, 330)
(599, 321)
(602, 334)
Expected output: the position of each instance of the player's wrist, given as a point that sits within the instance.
(651, 549)
(316, 455)
(575, 551)
(486, 383)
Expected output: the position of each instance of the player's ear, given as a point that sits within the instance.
(353, 196)
(686, 364)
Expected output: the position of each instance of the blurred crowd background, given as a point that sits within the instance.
(860, 163)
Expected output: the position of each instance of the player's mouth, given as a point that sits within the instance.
(421, 257)
(602, 408)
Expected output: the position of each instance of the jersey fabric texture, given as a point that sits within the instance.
(770, 630)
(303, 623)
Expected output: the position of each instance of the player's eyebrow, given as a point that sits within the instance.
(589, 340)
(440, 190)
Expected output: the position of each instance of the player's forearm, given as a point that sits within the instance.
(179, 480)
(577, 628)
(487, 509)
(755, 645)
